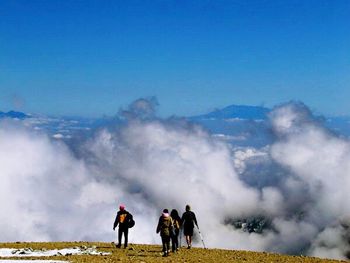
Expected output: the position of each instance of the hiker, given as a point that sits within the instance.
(188, 220)
(123, 219)
(164, 227)
(175, 236)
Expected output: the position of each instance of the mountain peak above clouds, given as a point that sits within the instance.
(237, 112)
(14, 115)
(238, 124)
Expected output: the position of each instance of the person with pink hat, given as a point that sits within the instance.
(125, 220)
(164, 227)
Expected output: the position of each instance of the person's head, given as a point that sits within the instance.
(174, 213)
(122, 207)
(165, 213)
(188, 208)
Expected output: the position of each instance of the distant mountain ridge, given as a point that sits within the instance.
(237, 121)
(236, 112)
(14, 115)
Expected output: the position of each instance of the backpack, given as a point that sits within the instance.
(173, 228)
(131, 222)
(176, 224)
(165, 226)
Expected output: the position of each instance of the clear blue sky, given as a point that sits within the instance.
(90, 58)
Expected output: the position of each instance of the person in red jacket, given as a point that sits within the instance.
(122, 219)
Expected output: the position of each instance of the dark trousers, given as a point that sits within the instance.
(175, 242)
(166, 243)
(121, 231)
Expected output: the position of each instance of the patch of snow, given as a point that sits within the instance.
(29, 252)
(32, 261)
(230, 137)
(233, 119)
(58, 136)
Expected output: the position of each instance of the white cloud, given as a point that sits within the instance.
(299, 183)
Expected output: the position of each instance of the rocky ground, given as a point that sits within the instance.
(152, 253)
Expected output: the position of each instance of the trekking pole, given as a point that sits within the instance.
(200, 234)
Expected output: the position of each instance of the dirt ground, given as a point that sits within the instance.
(152, 253)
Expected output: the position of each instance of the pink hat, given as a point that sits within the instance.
(122, 207)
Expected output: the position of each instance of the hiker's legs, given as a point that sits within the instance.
(188, 232)
(174, 243)
(120, 233)
(189, 241)
(167, 244)
(126, 233)
(177, 241)
(164, 243)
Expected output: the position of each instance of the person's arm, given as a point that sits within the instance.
(182, 220)
(116, 221)
(195, 219)
(158, 226)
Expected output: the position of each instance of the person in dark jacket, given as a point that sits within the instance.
(122, 219)
(164, 226)
(175, 236)
(188, 220)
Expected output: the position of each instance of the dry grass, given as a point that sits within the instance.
(152, 253)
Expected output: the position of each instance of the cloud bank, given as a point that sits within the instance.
(296, 187)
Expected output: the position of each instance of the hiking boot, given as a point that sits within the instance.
(165, 254)
(188, 247)
(118, 246)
